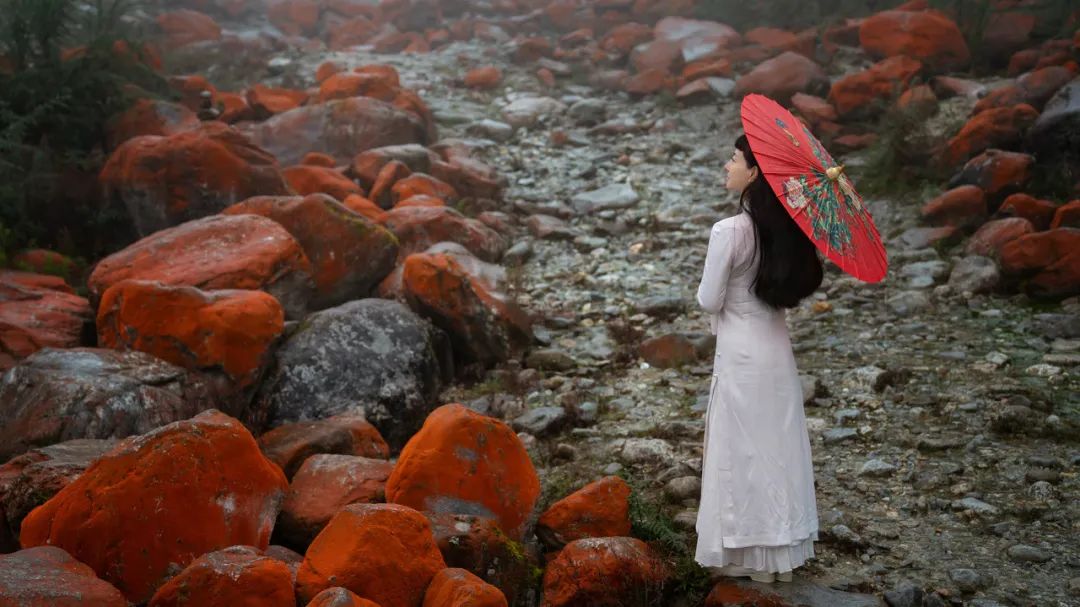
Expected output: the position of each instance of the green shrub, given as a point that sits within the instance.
(53, 115)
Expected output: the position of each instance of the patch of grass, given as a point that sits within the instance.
(651, 523)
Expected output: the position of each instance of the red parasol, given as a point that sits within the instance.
(814, 189)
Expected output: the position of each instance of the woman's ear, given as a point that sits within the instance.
(755, 172)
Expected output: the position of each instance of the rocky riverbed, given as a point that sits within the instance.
(943, 424)
(943, 404)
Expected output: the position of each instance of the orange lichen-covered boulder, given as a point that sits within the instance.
(184, 27)
(483, 78)
(813, 109)
(881, 81)
(421, 200)
(150, 117)
(1039, 212)
(459, 588)
(289, 445)
(484, 326)
(993, 128)
(388, 176)
(470, 177)
(996, 172)
(961, 207)
(464, 462)
(266, 101)
(47, 576)
(38, 311)
(351, 84)
(419, 228)
(622, 39)
(161, 500)
(57, 395)
(227, 330)
(1051, 259)
(349, 254)
(31, 479)
(384, 552)
(341, 128)
(365, 207)
(323, 485)
(478, 545)
(339, 597)
(367, 165)
(783, 76)
(605, 571)
(295, 17)
(600, 509)
(345, 34)
(238, 575)
(992, 235)
(217, 252)
(307, 179)
(928, 36)
(1067, 215)
(44, 261)
(165, 181)
(318, 159)
(1034, 88)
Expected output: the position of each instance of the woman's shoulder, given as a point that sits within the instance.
(739, 222)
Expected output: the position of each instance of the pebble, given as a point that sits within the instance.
(683, 488)
(836, 435)
(975, 505)
(1028, 554)
(967, 581)
(876, 468)
(541, 421)
(906, 594)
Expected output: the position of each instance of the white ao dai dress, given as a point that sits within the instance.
(757, 506)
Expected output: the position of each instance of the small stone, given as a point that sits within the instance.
(1074, 586)
(683, 488)
(686, 520)
(647, 451)
(491, 129)
(876, 468)
(614, 196)
(844, 535)
(966, 580)
(1042, 490)
(664, 306)
(975, 505)
(974, 274)
(836, 435)
(906, 594)
(518, 254)
(550, 360)
(1027, 554)
(613, 468)
(541, 421)
(1042, 474)
(1043, 370)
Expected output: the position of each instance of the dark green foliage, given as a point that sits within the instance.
(53, 116)
(650, 523)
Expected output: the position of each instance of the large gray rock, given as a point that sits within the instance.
(30, 479)
(60, 395)
(372, 356)
(341, 128)
(1057, 131)
(614, 196)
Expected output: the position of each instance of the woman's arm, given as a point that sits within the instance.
(718, 262)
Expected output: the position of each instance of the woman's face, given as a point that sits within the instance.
(739, 175)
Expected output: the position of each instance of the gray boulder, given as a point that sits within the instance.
(371, 356)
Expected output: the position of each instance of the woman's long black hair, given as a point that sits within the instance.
(789, 268)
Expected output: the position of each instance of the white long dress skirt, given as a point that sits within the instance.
(758, 508)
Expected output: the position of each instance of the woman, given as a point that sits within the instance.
(758, 515)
